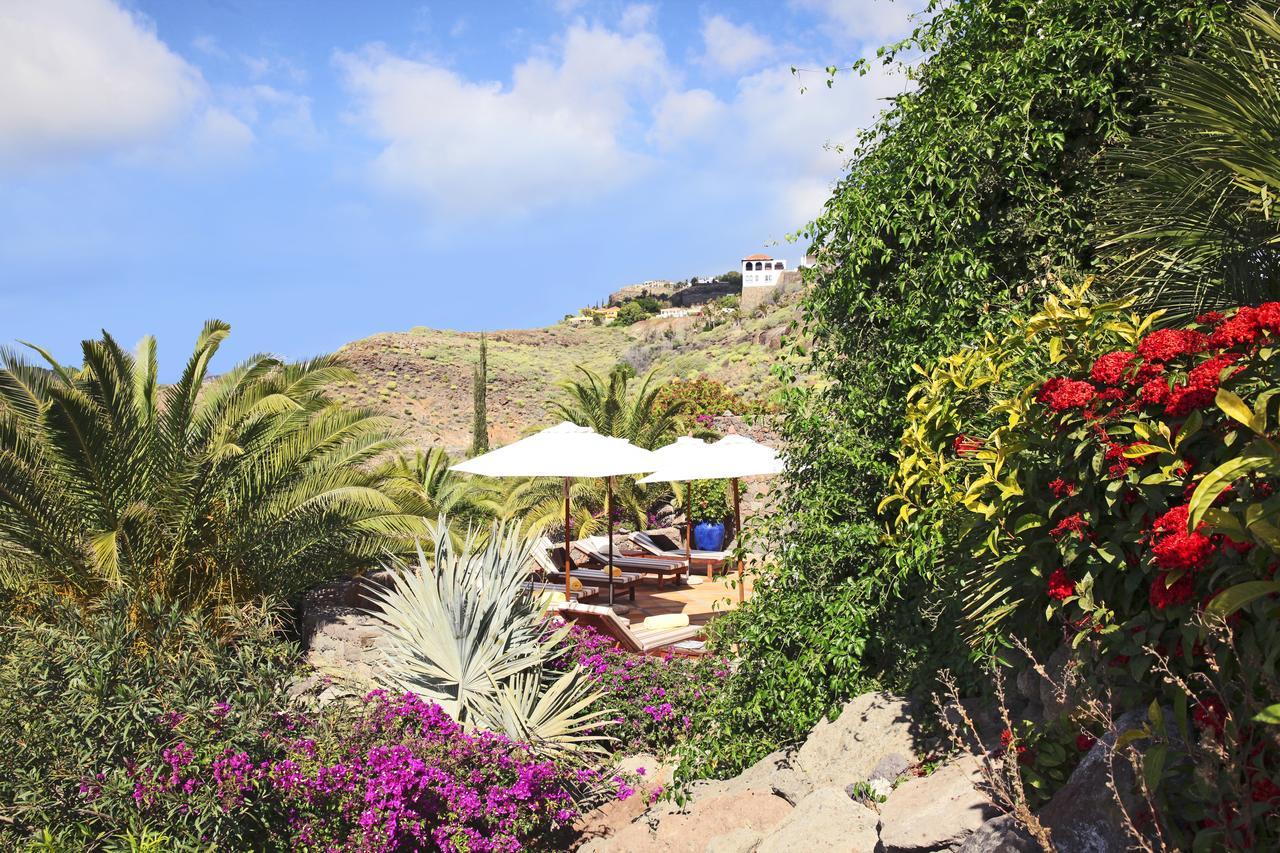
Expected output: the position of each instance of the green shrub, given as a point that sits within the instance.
(91, 697)
(957, 201)
(219, 490)
(1125, 499)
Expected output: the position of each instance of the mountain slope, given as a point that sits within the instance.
(424, 376)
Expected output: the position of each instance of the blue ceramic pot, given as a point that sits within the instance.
(708, 536)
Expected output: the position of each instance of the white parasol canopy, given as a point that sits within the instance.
(729, 458)
(567, 451)
(564, 450)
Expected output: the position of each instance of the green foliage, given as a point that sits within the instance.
(1125, 500)
(86, 690)
(208, 489)
(480, 409)
(1190, 219)
(701, 399)
(710, 500)
(463, 631)
(971, 186)
(633, 312)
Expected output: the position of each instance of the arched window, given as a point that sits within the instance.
(780, 265)
(758, 265)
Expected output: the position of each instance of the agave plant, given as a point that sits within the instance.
(205, 490)
(460, 628)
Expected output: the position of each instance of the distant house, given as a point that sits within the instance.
(607, 314)
(760, 276)
(680, 311)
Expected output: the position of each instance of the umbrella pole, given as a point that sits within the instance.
(608, 511)
(567, 561)
(737, 534)
(688, 525)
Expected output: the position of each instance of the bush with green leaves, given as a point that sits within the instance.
(91, 697)
(209, 489)
(1125, 500)
(974, 184)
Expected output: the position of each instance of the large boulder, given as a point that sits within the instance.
(668, 829)
(826, 821)
(1083, 817)
(847, 749)
(1000, 835)
(938, 811)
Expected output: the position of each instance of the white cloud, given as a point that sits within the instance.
(637, 16)
(732, 47)
(680, 116)
(798, 143)
(866, 20)
(85, 75)
(556, 134)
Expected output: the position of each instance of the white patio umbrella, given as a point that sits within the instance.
(730, 458)
(566, 451)
(681, 462)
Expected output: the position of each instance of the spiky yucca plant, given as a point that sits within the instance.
(205, 490)
(460, 629)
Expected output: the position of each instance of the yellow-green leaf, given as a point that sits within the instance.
(1234, 407)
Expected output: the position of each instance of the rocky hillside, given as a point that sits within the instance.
(423, 376)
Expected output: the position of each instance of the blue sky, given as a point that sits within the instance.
(314, 172)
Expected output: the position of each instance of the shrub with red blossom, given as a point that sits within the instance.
(1142, 467)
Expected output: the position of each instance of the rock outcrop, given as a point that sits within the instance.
(820, 797)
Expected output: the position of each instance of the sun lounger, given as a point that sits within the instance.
(594, 548)
(661, 545)
(550, 561)
(583, 591)
(680, 640)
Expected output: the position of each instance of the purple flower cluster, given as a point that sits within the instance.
(654, 696)
(399, 775)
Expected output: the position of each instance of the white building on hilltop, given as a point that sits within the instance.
(760, 275)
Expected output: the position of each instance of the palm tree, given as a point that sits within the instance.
(205, 490)
(608, 406)
(1190, 221)
(423, 485)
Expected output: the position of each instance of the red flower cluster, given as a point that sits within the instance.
(1073, 523)
(1062, 489)
(1061, 586)
(1061, 394)
(1085, 742)
(965, 445)
(1163, 596)
(1210, 715)
(1167, 344)
(1112, 368)
(1176, 549)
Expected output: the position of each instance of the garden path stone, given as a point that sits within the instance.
(890, 767)
(741, 840)
(936, 812)
(667, 829)
(826, 821)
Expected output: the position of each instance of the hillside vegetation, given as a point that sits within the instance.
(423, 376)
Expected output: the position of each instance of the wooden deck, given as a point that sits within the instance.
(702, 601)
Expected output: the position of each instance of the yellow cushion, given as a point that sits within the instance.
(615, 571)
(667, 620)
(575, 584)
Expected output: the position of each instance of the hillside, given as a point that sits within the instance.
(423, 376)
